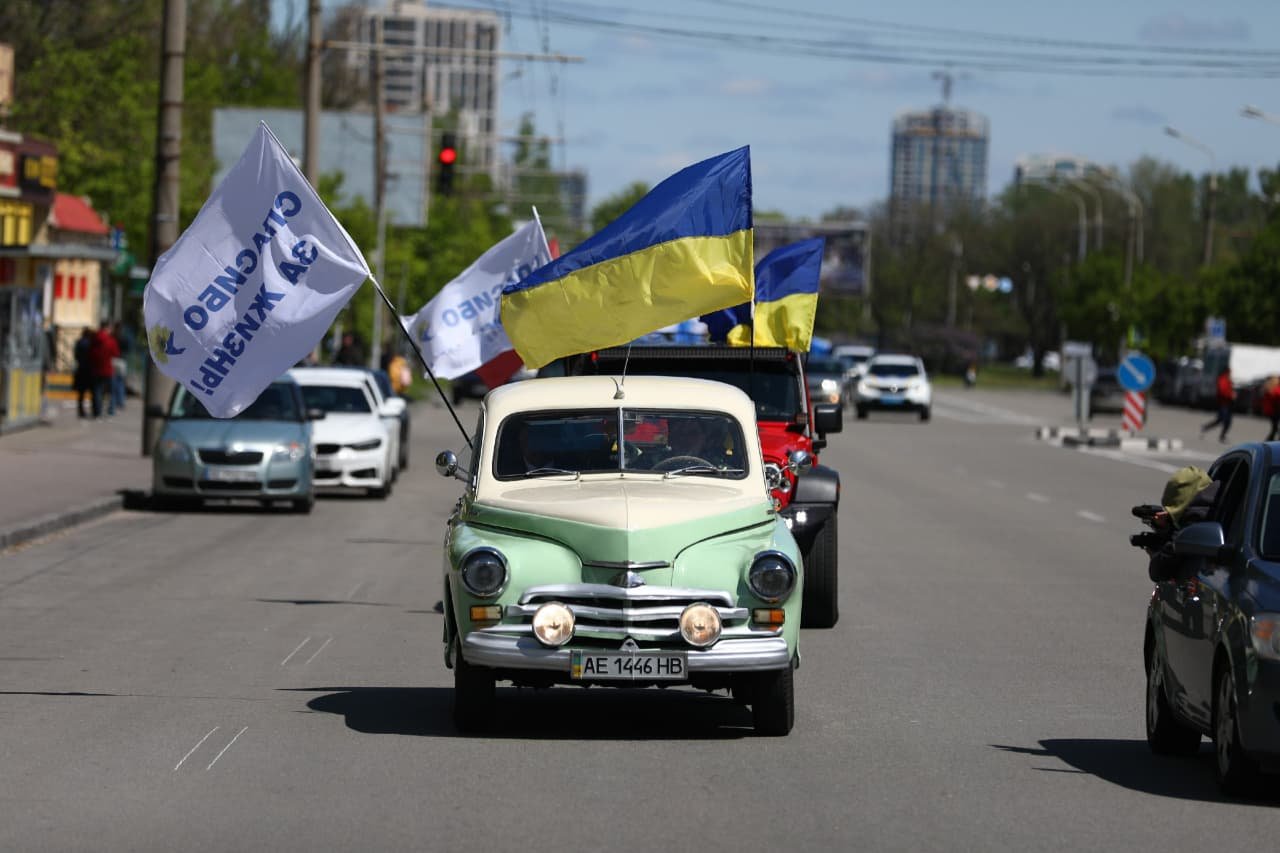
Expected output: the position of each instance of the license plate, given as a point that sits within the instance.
(629, 666)
(231, 475)
(891, 401)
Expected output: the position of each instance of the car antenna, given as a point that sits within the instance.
(619, 394)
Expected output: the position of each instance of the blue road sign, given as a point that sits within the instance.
(1136, 372)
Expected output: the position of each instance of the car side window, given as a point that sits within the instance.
(1234, 477)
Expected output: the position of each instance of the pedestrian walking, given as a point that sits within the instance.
(1271, 405)
(82, 379)
(102, 354)
(119, 371)
(1226, 396)
(351, 352)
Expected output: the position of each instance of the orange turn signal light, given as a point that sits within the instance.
(772, 616)
(483, 613)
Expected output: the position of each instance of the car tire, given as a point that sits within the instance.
(404, 452)
(862, 413)
(821, 605)
(1238, 773)
(1166, 735)
(175, 503)
(773, 707)
(457, 396)
(474, 695)
(303, 506)
(382, 492)
(925, 413)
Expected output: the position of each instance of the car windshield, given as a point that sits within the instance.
(892, 369)
(1270, 537)
(276, 403)
(673, 442)
(336, 398)
(828, 366)
(774, 389)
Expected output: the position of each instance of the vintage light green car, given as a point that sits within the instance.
(619, 532)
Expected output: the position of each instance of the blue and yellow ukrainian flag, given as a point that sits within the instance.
(787, 295)
(684, 249)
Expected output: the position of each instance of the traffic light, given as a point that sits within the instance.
(445, 161)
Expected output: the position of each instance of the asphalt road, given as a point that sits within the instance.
(244, 680)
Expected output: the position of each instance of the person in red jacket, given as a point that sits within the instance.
(1271, 405)
(1226, 397)
(101, 358)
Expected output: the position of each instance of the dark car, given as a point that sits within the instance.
(1106, 395)
(1212, 644)
(469, 385)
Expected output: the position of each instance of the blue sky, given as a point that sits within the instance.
(643, 104)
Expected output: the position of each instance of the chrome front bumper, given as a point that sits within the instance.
(500, 651)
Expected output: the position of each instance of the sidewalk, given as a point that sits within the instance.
(68, 470)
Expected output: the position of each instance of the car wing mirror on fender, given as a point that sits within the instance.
(447, 466)
(827, 418)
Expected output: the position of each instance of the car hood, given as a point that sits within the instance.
(340, 427)
(622, 521)
(222, 433)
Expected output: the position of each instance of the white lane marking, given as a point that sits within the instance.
(356, 590)
(295, 651)
(194, 748)
(985, 412)
(1131, 458)
(318, 651)
(1089, 516)
(1037, 497)
(225, 748)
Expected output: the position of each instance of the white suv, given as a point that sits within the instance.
(894, 383)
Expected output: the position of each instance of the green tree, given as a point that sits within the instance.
(617, 204)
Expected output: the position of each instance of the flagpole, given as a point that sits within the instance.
(541, 231)
(423, 359)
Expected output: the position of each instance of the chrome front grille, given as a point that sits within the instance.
(645, 613)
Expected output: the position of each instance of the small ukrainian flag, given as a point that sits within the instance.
(787, 295)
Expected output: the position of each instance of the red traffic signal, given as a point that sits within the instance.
(448, 156)
(445, 159)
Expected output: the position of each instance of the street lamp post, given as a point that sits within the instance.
(1250, 111)
(1213, 188)
(1082, 234)
(1092, 191)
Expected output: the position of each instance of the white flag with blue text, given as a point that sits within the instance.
(252, 285)
(460, 329)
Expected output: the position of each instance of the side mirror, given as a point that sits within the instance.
(316, 414)
(447, 466)
(827, 417)
(800, 461)
(1203, 539)
(155, 410)
(393, 407)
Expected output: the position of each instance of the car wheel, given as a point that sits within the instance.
(474, 695)
(457, 396)
(862, 413)
(925, 413)
(303, 506)
(821, 606)
(1237, 772)
(1166, 735)
(382, 492)
(175, 503)
(404, 452)
(773, 707)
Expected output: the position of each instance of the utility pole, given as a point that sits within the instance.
(311, 118)
(379, 188)
(164, 228)
(957, 252)
(1208, 219)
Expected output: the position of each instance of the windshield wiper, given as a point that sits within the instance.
(701, 469)
(547, 470)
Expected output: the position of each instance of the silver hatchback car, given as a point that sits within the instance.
(264, 453)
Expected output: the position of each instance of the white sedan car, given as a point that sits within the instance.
(894, 383)
(354, 448)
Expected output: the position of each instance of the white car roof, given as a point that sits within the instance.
(895, 359)
(349, 377)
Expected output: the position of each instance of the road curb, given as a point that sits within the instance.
(25, 531)
(1097, 437)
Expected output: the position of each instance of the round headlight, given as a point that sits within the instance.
(553, 624)
(772, 577)
(484, 572)
(700, 625)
